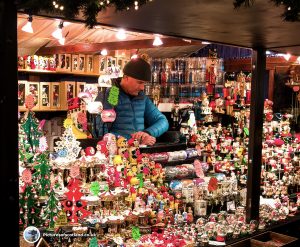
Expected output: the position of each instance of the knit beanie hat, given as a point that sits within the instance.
(138, 68)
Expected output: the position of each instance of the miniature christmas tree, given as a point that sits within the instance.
(32, 152)
(93, 242)
(29, 138)
(73, 205)
(61, 220)
(42, 174)
(52, 209)
(29, 211)
(67, 148)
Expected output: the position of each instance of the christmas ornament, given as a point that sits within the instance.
(67, 149)
(113, 96)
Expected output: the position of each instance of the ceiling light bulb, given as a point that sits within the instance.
(104, 52)
(287, 56)
(157, 41)
(205, 43)
(134, 56)
(28, 26)
(62, 41)
(121, 35)
(58, 32)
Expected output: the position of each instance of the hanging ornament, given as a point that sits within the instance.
(69, 204)
(27, 176)
(140, 178)
(78, 204)
(212, 184)
(29, 101)
(136, 233)
(113, 96)
(95, 188)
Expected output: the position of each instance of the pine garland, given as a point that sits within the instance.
(72, 8)
(291, 8)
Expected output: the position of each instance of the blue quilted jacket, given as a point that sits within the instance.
(133, 114)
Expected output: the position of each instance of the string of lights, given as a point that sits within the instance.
(70, 8)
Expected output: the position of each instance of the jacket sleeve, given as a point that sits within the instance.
(156, 122)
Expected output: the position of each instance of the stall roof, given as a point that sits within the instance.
(216, 21)
(75, 32)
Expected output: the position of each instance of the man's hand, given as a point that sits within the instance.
(144, 138)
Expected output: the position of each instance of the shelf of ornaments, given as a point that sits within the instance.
(109, 195)
(77, 73)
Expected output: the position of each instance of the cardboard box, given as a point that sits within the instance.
(90, 64)
(21, 95)
(68, 90)
(34, 89)
(244, 243)
(44, 96)
(79, 87)
(55, 96)
(273, 239)
(99, 64)
(75, 63)
(81, 63)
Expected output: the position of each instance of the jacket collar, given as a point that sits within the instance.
(117, 82)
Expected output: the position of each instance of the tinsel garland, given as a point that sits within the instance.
(291, 7)
(72, 8)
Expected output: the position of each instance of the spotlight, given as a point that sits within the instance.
(287, 56)
(58, 32)
(28, 26)
(62, 41)
(104, 52)
(121, 35)
(157, 41)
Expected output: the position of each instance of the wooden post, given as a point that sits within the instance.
(255, 136)
(271, 84)
(9, 122)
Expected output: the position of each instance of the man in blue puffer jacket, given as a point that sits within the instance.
(136, 115)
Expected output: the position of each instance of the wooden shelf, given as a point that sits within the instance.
(50, 110)
(295, 84)
(167, 107)
(37, 71)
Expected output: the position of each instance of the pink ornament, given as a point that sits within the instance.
(29, 101)
(27, 176)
